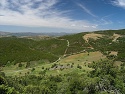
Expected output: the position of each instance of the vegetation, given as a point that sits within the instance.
(78, 66)
(105, 78)
(77, 43)
(18, 50)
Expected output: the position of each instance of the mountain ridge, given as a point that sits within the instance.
(103, 41)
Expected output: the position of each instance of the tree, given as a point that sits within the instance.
(27, 64)
(78, 66)
(2, 80)
(20, 65)
(4, 89)
(33, 69)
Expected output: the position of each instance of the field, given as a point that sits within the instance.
(65, 65)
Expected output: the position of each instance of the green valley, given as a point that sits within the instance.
(82, 63)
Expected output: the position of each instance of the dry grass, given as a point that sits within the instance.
(115, 37)
(92, 56)
(93, 36)
(113, 53)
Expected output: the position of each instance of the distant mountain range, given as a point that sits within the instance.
(21, 34)
(4, 33)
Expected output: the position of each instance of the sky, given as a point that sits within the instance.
(61, 15)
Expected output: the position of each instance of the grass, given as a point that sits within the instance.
(82, 59)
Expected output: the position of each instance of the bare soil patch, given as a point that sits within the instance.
(93, 36)
(115, 37)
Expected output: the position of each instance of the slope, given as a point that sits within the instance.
(20, 49)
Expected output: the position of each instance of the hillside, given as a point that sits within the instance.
(18, 50)
(83, 63)
(104, 41)
(21, 49)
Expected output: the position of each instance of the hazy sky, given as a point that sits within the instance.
(61, 15)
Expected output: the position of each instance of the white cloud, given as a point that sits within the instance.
(120, 3)
(27, 13)
(86, 10)
(106, 20)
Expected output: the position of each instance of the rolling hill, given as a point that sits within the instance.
(21, 49)
(83, 63)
